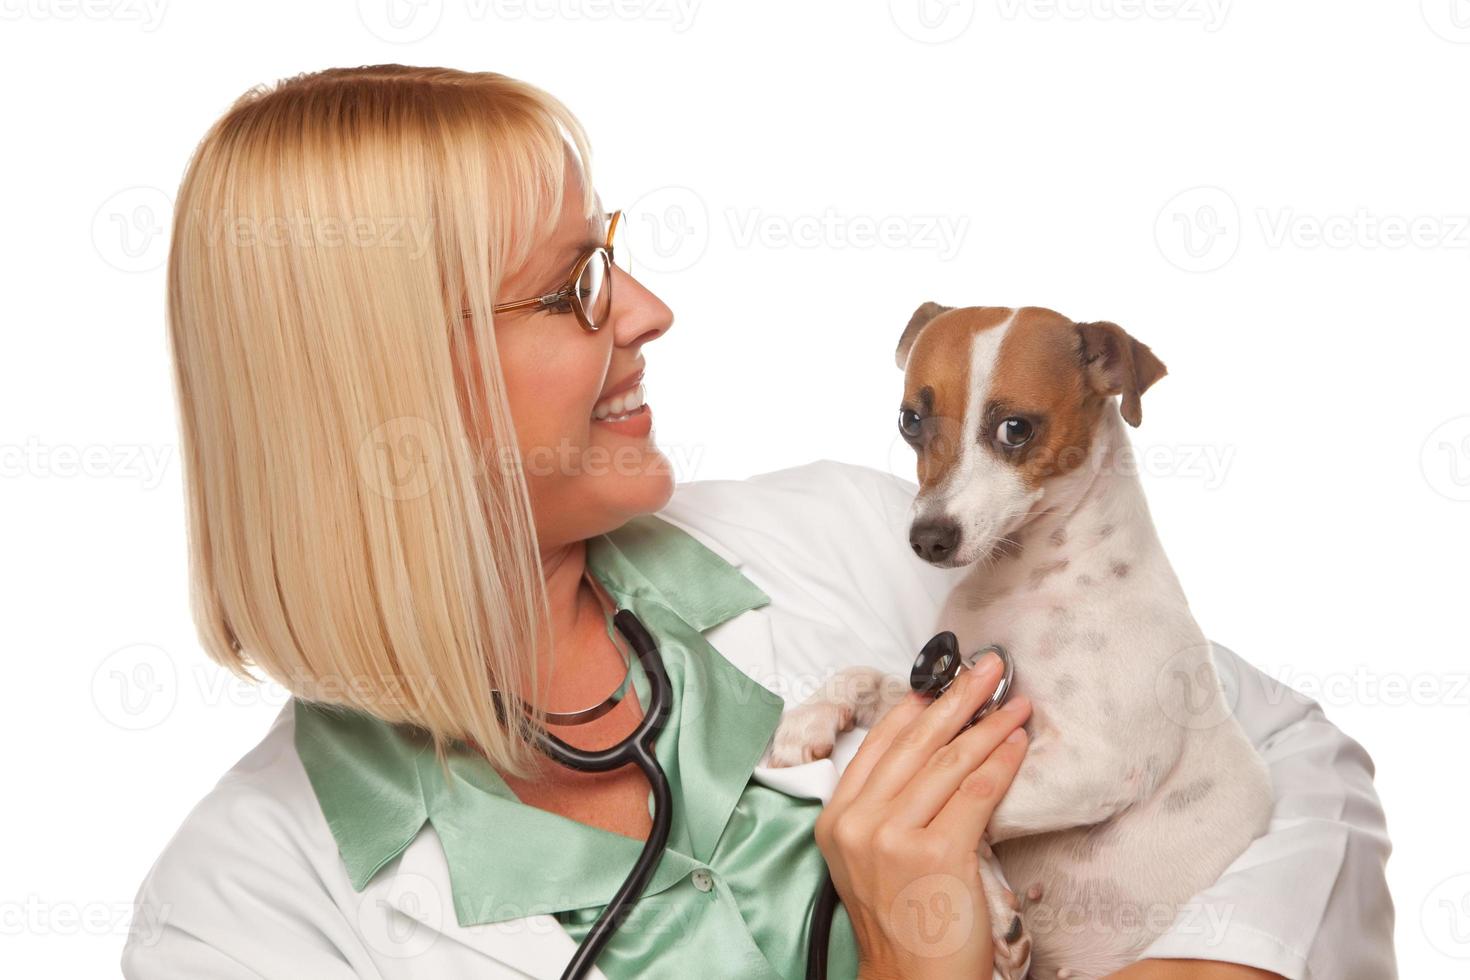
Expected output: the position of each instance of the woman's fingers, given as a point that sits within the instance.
(911, 747)
(874, 744)
(968, 812)
(933, 785)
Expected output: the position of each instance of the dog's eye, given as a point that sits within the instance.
(909, 423)
(1014, 432)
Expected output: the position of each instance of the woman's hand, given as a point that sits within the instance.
(902, 834)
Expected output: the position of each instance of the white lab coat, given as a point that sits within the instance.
(252, 885)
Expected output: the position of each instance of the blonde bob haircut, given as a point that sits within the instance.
(359, 525)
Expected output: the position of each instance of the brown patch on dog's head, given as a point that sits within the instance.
(936, 358)
(917, 322)
(1057, 376)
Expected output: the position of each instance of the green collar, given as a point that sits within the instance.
(378, 784)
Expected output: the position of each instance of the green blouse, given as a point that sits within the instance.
(732, 896)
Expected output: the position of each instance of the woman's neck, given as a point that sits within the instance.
(583, 665)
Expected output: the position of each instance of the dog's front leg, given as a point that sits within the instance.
(853, 698)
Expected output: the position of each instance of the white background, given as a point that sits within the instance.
(1233, 182)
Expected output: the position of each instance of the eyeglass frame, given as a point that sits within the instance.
(568, 292)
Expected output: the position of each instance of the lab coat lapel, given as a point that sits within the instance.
(535, 945)
(747, 641)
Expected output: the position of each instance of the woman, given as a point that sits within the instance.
(420, 478)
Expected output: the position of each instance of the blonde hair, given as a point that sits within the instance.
(359, 525)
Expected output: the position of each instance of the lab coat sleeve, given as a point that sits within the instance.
(235, 896)
(1309, 898)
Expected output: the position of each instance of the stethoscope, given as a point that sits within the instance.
(935, 669)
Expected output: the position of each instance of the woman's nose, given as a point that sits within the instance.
(638, 316)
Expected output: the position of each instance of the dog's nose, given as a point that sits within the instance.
(934, 541)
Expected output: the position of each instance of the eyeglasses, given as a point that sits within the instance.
(588, 289)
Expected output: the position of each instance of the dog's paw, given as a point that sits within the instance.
(1011, 941)
(808, 732)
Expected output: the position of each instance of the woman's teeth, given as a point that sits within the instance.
(619, 406)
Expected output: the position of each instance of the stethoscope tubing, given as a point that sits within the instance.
(638, 749)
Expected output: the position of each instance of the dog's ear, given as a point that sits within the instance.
(921, 317)
(1116, 364)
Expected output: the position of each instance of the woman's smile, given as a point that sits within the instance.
(623, 411)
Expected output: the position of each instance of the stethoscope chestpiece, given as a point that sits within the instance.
(939, 664)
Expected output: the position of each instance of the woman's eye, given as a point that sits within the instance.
(909, 423)
(1014, 432)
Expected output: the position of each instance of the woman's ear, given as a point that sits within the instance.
(1116, 364)
(921, 317)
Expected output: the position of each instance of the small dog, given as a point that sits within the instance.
(1139, 787)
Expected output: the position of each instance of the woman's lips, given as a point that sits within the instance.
(624, 412)
(623, 402)
(637, 423)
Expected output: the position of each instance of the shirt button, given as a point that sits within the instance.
(702, 880)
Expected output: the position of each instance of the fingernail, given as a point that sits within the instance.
(988, 664)
(1017, 735)
(1017, 704)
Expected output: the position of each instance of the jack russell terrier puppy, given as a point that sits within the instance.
(1139, 787)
